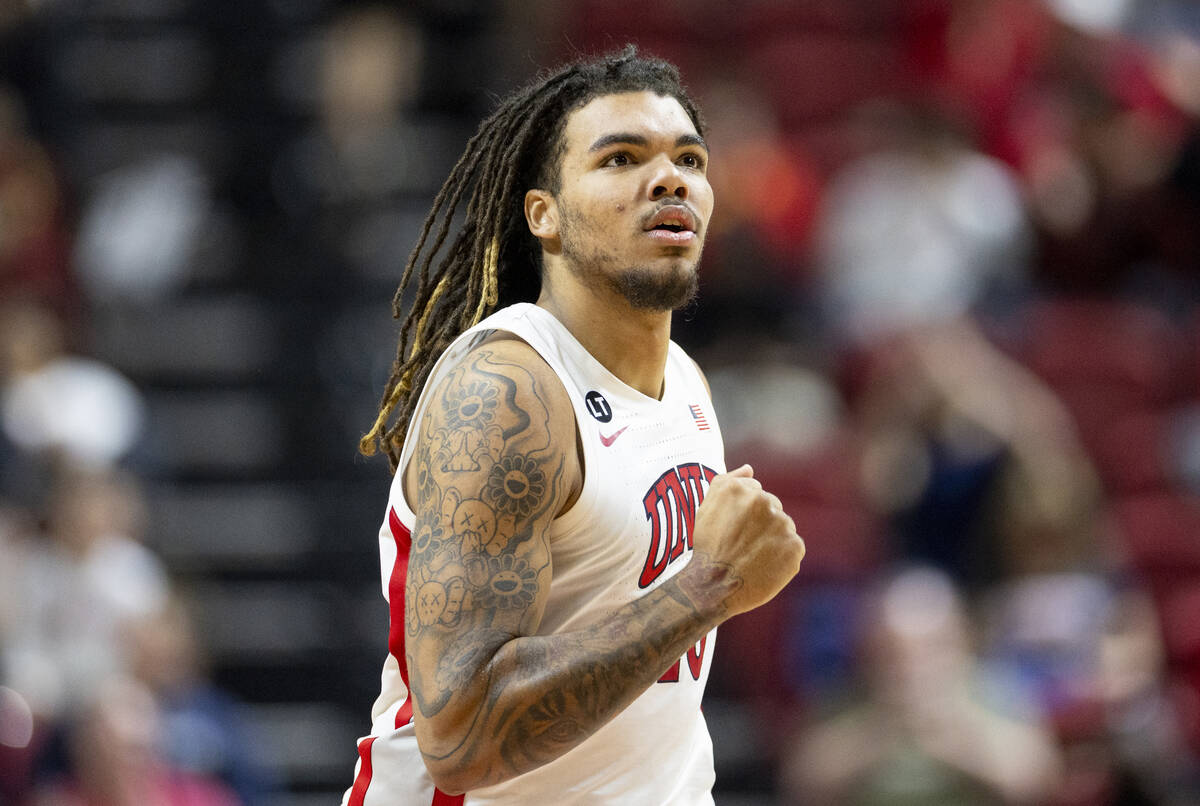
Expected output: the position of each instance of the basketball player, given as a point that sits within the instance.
(554, 579)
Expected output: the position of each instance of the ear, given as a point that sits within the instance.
(541, 214)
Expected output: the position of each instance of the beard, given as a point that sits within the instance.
(643, 287)
(647, 290)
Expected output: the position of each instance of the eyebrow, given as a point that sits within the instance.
(628, 138)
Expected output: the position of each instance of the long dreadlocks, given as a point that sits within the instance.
(493, 259)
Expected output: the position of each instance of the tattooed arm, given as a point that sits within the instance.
(496, 461)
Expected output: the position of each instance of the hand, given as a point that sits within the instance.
(746, 546)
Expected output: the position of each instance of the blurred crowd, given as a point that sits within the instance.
(950, 311)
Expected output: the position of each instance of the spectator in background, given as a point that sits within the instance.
(116, 761)
(22, 733)
(1090, 122)
(202, 730)
(928, 730)
(141, 229)
(57, 406)
(80, 588)
(34, 244)
(920, 230)
(974, 461)
(1136, 742)
(343, 182)
(980, 467)
(1092, 655)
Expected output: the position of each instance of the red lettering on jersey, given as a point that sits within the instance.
(659, 514)
(671, 504)
(681, 531)
(671, 675)
(694, 479)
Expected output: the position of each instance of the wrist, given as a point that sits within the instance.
(708, 586)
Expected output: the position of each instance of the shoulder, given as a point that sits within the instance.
(510, 354)
(499, 397)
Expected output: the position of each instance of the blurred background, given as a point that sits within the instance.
(949, 311)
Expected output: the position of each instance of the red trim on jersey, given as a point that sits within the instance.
(403, 538)
(363, 779)
(405, 713)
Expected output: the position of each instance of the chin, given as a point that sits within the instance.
(647, 290)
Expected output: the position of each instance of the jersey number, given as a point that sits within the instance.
(695, 659)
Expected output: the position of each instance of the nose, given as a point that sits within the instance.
(667, 180)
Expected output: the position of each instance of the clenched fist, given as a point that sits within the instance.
(746, 546)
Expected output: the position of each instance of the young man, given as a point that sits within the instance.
(553, 577)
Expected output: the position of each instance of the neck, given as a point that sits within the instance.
(630, 343)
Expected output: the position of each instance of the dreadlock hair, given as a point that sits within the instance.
(493, 259)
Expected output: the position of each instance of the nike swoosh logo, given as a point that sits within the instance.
(606, 441)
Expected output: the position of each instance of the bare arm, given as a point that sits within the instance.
(494, 464)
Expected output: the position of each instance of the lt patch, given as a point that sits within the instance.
(597, 406)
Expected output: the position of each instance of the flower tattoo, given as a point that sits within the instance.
(516, 486)
(511, 584)
(473, 406)
(428, 535)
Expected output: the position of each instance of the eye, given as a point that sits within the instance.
(621, 158)
(692, 160)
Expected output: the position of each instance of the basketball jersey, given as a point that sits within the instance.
(647, 465)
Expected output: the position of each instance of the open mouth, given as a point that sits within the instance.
(673, 223)
(672, 235)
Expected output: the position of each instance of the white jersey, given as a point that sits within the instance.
(648, 464)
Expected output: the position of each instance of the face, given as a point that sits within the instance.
(634, 200)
